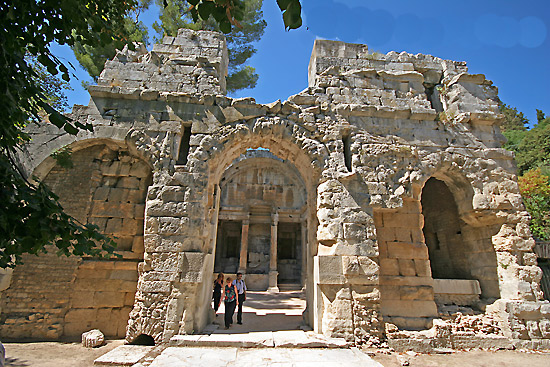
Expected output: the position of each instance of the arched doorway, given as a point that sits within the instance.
(287, 218)
(462, 258)
(261, 222)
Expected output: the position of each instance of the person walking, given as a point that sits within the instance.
(230, 302)
(217, 295)
(241, 296)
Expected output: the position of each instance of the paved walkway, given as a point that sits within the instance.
(272, 334)
(233, 357)
(264, 311)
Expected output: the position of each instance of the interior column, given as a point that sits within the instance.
(243, 258)
(273, 254)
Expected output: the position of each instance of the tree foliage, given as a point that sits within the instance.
(249, 28)
(30, 215)
(92, 57)
(53, 86)
(532, 149)
(535, 189)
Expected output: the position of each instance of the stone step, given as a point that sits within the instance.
(289, 287)
(266, 339)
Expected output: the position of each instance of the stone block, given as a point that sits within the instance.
(422, 268)
(129, 182)
(81, 299)
(154, 286)
(401, 280)
(408, 308)
(93, 338)
(171, 262)
(129, 298)
(423, 293)
(114, 225)
(328, 270)
(129, 275)
(389, 292)
(131, 226)
(354, 232)
(108, 299)
(407, 267)
(118, 195)
(80, 315)
(401, 220)
(407, 250)
(385, 234)
(101, 193)
(456, 286)
(389, 267)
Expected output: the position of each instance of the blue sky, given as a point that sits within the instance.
(507, 40)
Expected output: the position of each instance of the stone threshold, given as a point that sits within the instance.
(137, 355)
(262, 339)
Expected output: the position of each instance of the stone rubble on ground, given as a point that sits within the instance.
(93, 338)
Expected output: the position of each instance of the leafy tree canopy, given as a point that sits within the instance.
(533, 151)
(30, 215)
(535, 189)
(92, 57)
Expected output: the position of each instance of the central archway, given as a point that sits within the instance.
(261, 222)
(291, 163)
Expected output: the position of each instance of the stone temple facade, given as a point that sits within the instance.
(381, 189)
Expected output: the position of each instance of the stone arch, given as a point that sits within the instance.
(286, 140)
(107, 186)
(452, 226)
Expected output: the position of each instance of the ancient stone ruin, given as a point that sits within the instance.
(381, 189)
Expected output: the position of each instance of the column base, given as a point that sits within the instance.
(273, 281)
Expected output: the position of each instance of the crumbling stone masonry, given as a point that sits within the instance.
(382, 189)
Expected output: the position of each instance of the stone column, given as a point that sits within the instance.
(303, 244)
(273, 255)
(243, 258)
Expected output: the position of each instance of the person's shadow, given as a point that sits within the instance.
(16, 362)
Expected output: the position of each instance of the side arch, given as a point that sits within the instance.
(107, 186)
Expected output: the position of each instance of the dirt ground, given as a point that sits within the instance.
(55, 354)
(477, 358)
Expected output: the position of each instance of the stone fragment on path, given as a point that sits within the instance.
(93, 338)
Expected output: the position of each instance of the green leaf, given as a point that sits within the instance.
(283, 4)
(292, 17)
(205, 9)
(225, 27)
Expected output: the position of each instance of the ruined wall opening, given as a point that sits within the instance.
(267, 206)
(462, 258)
(143, 339)
(289, 254)
(184, 146)
(106, 186)
(346, 140)
(442, 232)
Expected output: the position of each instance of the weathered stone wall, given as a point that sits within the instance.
(365, 137)
(51, 297)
